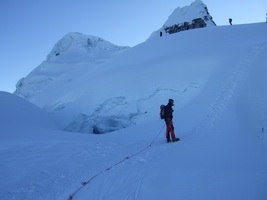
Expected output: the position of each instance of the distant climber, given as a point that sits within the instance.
(230, 21)
(160, 34)
(168, 120)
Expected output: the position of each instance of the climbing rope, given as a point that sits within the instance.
(109, 168)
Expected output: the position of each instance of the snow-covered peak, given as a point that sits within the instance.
(74, 48)
(85, 46)
(186, 18)
(197, 9)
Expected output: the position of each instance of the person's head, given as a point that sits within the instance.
(171, 101)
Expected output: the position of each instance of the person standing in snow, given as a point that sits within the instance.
(168, 120)
(230, 21)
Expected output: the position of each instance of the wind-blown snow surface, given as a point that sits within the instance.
(217, 77)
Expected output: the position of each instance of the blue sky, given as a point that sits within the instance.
(30, 28)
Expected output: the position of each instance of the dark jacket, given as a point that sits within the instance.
(168, 111)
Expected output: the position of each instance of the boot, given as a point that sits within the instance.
(175, 139)
(168, 140)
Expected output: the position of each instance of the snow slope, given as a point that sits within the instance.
(14, 115)
(217, 77)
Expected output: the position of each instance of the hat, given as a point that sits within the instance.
(171, 101)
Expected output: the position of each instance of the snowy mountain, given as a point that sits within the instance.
(217, 77)
(77, 47)
(73, 49)
(193, 16)
(84, 81)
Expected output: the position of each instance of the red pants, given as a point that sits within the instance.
(169, 128)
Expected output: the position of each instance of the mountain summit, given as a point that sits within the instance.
(82, 48)
(189, 17)
(74, 48)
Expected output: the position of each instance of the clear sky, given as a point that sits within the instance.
(30, 28)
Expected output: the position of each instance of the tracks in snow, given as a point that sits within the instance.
(229, 88)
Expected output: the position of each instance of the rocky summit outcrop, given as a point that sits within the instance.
(193, 16)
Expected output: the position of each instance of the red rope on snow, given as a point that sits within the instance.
(109, 168)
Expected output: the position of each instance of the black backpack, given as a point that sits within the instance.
(162, 111)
